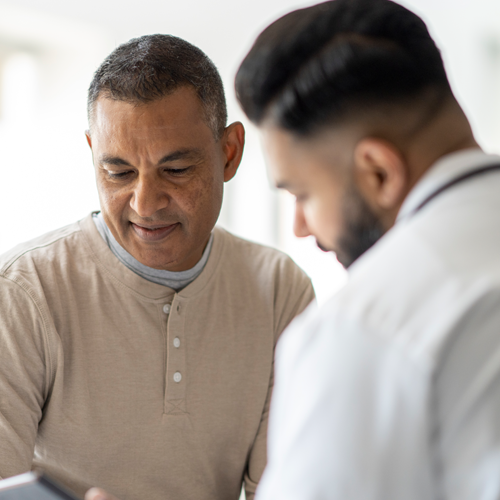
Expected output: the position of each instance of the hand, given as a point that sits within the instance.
(98, 494)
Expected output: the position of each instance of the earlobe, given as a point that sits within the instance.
(234, 142)
(381, 173)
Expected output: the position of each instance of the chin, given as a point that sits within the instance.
(324, 247)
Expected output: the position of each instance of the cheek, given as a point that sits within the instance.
(110, 198)
(193, 199)
(324, 218)
(202, 197)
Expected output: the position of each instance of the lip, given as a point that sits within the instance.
(153, 233)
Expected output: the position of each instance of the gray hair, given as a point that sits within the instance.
(151, 67)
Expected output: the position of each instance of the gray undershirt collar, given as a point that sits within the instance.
(176, 281)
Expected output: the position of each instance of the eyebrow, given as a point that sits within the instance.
(181, 154)
(113, 160)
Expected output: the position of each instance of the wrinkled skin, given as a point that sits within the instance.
(160, 173)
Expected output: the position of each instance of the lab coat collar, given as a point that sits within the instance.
(443, 171)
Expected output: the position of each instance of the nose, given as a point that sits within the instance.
(148, 197)
(300, 228)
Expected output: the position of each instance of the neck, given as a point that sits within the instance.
(449, 132)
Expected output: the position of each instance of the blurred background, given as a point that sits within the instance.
(49, 50)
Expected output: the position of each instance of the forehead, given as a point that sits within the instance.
(279, 151)
(294, 162)
(174, 116)
(329, 148)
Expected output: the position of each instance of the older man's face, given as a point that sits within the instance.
(160, 175)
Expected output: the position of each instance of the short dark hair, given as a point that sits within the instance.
(316, 66)
(151, 67)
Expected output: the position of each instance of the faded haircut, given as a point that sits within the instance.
(150, 67)
(321, 65)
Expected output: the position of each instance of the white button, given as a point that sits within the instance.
(177, 377)
(166, 308)
(177, 342)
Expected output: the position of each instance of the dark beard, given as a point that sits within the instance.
(362, 229)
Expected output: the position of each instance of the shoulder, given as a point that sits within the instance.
(258, 259)
(329, 344)
(374, 308)
(47, 249)
(407, 293)
(266, 277)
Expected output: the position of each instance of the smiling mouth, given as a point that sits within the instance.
(153, 233)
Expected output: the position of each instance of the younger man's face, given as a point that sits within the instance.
(328, 205)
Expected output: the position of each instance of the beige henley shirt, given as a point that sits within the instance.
(109, 380)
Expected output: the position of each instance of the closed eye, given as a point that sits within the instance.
(119, 175)
(177, 171)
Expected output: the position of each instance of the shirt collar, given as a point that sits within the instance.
(443, 171)
(175, 280)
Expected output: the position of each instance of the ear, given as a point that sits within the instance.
(381, 174)
(89, 139)
(233, 144)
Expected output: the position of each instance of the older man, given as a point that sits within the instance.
(137, 344)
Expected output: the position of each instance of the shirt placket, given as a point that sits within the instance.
(176, 375)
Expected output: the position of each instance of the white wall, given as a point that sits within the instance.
(46, 175)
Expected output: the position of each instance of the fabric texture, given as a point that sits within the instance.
(175, 280)
(392, 390)
(110, 380)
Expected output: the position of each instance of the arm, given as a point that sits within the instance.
(349, 419)
(258, 454)
(24, 376)
(288, 305)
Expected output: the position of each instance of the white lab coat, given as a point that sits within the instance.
(391, 391)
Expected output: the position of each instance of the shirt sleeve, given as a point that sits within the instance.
(294, 292)
(23, 377)
(258, 455)
(349, 418)
(290, 302)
